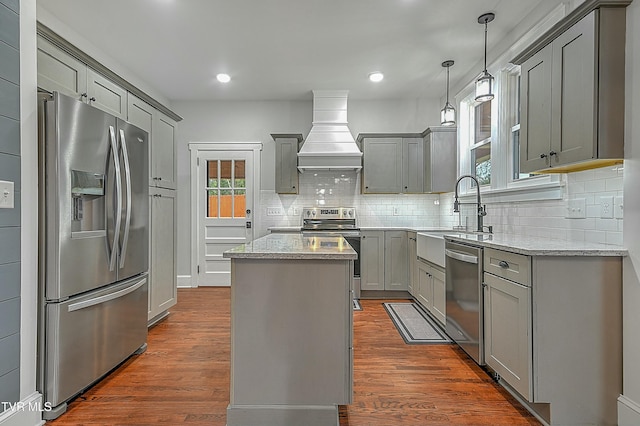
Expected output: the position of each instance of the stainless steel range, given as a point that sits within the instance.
(335, 220)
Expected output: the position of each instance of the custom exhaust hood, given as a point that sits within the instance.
(329, 145)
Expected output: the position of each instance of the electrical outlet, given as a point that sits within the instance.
(618, 207)
(396, 211)
(606, 207)
(577, 208)
(6, 195)
(296, 211)
(274, 211)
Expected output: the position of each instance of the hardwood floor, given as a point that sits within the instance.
(183, 377)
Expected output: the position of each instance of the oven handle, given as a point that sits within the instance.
(461, 256)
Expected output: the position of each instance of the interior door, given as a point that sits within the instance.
(225, 207)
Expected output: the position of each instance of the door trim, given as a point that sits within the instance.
(196, 148)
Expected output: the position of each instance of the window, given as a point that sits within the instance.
(481, 147)
(226, 188)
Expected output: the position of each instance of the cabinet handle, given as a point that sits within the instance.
(552, 153)
(543, 155)
(92, 99)
(84, 95)
(503, 264)
(484, 285)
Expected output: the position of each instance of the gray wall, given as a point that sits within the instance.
(10, 218)
(255, 121)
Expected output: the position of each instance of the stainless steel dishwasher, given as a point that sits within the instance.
(464, 309)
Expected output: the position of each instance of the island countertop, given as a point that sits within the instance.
(294, 246)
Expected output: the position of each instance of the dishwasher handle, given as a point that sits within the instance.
(461, 256)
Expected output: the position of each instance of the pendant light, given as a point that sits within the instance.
(484, 83)
(448, 113)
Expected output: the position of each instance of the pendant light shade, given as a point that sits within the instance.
(484, 83)
(448, 113)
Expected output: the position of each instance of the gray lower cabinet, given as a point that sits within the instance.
(431, 292)
(412, 283)
(163, 254)
(372, 260)
(287, 163)
(396, 260)
(572, 105)
(384, 260)
(507, 325)
(553, 332)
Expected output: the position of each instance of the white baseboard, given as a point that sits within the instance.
(184, 281)
(27, 412)
(628, 412)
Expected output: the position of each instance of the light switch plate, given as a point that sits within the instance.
(6, 194)
(606, 207)
(274, 211)
(577, 208)
(618, 205)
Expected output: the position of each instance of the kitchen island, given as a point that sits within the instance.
(291, 330)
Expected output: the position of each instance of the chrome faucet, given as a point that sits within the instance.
(482, 210)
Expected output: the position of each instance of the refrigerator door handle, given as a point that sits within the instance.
(106, 297)
(127, 177)
(118, 209)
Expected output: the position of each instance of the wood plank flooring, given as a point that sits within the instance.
(183, 377)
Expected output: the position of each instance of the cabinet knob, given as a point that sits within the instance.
(92, 99)
(552, 153)
(543, 155)
(84, 95)
(294, 187)
(366, 187)
(503, 264)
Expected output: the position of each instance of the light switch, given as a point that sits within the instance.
(6, 194)
(577, 208)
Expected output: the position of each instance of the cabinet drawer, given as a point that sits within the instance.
(515, 267)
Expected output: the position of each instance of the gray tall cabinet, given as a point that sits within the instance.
(10, 217)
(75, 75)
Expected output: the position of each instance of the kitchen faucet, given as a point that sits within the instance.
(482, 210)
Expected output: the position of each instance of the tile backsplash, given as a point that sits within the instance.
(547, 218)
(334, 188)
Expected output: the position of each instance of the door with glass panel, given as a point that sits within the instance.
(225, 210)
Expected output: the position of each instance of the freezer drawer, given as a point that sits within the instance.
(87, 336)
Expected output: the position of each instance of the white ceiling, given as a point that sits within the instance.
(282, 49)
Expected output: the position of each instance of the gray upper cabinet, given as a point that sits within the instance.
(59, 71)
(104, 94)
(287, 162)
(572, 102)
(412, 165)
(440, 159)
(382, 165)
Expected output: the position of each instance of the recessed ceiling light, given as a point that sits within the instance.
(376, 76)
(223, 78)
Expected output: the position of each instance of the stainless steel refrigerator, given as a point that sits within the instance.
(93, 245)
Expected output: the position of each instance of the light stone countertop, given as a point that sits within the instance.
(537, 246)
(294, 246)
